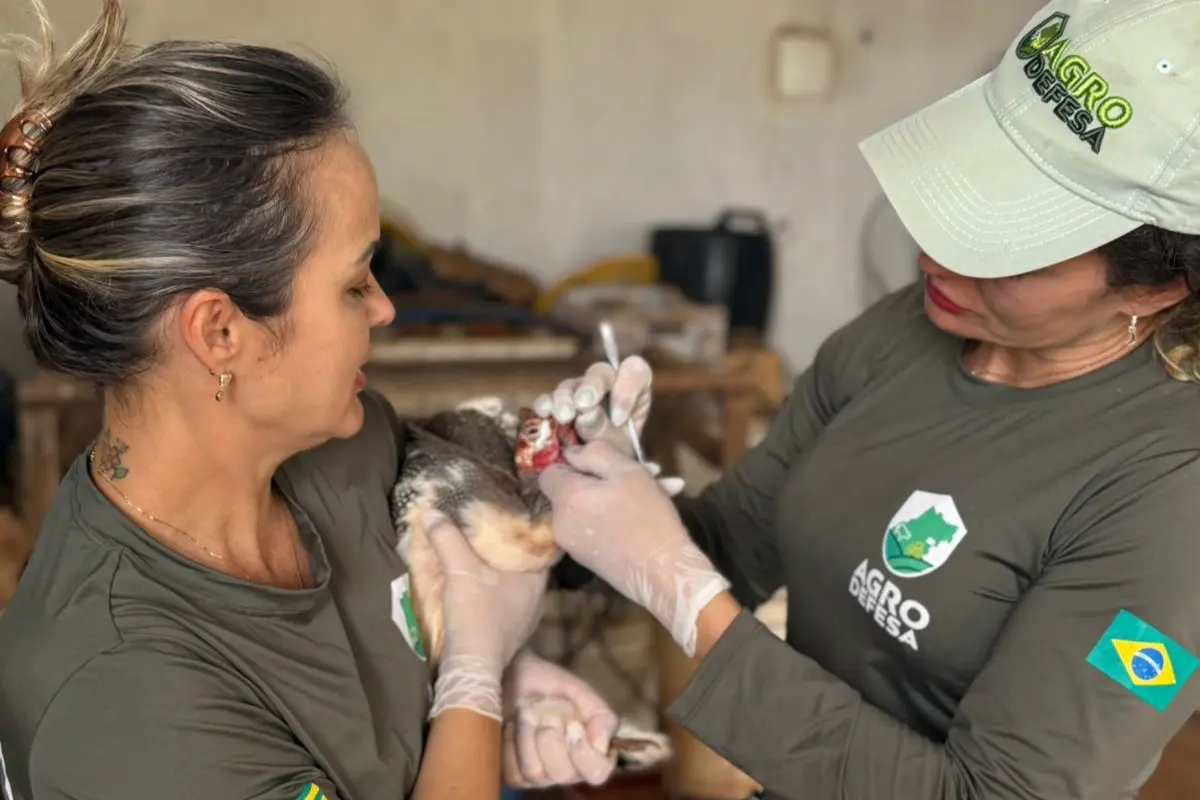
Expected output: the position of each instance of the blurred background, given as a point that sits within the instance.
(686, 168)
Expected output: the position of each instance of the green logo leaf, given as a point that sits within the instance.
(1044, 34)
(922, 534)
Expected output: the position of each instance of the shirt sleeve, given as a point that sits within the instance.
(1087, 683)
(733, 519)
(148, 722)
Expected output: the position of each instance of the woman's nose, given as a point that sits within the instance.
(380, 310)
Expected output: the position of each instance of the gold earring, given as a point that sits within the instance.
(223, 381)
(1133, 330)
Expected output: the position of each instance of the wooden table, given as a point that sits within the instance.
(1178, 774)
(58, 416)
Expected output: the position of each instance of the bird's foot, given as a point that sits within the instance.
(634, 746)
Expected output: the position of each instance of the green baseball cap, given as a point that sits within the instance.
(1087, 129)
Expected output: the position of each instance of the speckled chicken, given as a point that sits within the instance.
(478, 466)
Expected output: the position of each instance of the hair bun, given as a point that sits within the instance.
(20, 151)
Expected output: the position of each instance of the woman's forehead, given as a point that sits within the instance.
(345, 201)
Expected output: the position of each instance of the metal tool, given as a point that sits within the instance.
(609, 340)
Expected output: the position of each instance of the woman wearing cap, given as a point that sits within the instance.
(209, 608)
(982, 495)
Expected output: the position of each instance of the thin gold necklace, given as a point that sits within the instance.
(295, 553)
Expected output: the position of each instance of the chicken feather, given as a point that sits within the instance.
(477, 465)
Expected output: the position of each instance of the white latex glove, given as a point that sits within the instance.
(581, 400)
(489, 615)
(557, 728)
(614, 518)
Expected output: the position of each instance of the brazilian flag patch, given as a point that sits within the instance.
(1142, 659)
(311, 792)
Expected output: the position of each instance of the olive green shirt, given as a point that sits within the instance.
(128, 672)
(992, 592)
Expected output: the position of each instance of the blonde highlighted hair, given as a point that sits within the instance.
(166, 169)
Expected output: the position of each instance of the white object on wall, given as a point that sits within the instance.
(803, 63)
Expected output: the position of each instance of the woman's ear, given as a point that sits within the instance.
(1146, 301)
(210, 325)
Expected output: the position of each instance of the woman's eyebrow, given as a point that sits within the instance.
(372, 248)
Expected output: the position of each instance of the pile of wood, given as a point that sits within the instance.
(504, 282)
(436, 286)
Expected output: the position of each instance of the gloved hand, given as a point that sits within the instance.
(489, 615)
(557, 728)
(612, 517)
(582, 400)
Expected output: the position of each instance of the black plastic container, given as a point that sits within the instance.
(731, 263)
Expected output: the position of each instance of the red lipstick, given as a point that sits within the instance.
(940, 300)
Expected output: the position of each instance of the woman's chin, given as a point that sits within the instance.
(351, 421)
(961, 325)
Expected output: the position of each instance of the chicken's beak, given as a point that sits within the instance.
(545, 434)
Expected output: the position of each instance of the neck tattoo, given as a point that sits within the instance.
(105, 461)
